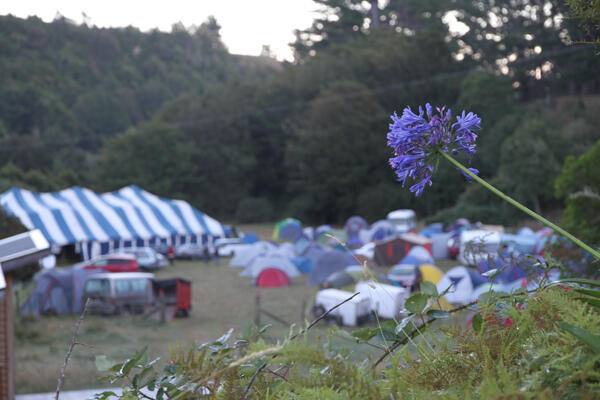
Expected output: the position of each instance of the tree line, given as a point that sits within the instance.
(251, 139)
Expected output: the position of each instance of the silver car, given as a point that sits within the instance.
(148, 259)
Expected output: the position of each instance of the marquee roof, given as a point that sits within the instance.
(80, 215)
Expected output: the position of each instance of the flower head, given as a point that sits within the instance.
(417, 140)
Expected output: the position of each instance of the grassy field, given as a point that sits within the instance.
(221, 300)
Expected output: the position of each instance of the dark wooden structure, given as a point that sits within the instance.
(15, 252)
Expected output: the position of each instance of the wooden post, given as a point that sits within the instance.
(257, 308)
(162, 306)
(7, 362)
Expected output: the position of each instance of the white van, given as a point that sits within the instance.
(114, 293)
(477, 245)
(351, 313)
(405, 220)
(386, 300)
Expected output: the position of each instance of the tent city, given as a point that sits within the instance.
(310, 199)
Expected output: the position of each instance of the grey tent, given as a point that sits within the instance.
(57, 291)
(338, 280)
(330, 262)
(354, 225)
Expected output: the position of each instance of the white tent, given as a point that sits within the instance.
(462, 282)
(420, 254)
(386, 300)
(244, 255)
(287, 249)
(270, 261)
(102, 222)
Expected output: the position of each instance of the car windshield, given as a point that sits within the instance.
(97, 286)
(131, 285)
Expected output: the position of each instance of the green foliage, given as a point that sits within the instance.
(526, 163)
(588, 14)
(67, 88)
(579, 184)
(330, 170)
(88, 106)
(494, 99)
(254, 209)
(529, 357)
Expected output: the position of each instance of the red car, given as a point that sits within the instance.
(114, 263)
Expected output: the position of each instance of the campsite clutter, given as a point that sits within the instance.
(389, 254)
(115, 234)
(389, 259)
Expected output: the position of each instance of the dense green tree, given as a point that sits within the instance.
(588, 14)
(65, 85)
(492, 97)
(579, 185)
(337, 151)
(153, 156)
(526, 39)
(528, 164)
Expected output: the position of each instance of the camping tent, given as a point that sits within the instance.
(250, 238)
(354, 225)
(339, 280)
(431, 273)
(380, 230)
(303, 264)
(432, 229)
(511, 268)
(462, 281)
(272, 277)
(330, 262)
(389, 252)
(420, 254)
(100, 223)
(314, 252)
(332, 238)
(286, 249)
(270, 261)
(288, 229)
(301, 246)
(245, 254)
(57, 291)
(439, 245)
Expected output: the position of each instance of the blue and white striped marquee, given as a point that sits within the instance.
(99, 223)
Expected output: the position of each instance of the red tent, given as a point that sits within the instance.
(272, 277)
(391, 251)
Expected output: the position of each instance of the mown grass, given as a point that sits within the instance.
(221, 300)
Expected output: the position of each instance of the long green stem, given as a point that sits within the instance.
(521, 207)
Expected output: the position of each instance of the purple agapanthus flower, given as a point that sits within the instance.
(418, 138)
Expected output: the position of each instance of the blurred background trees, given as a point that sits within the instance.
(238, 135)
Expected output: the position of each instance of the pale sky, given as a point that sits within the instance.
(246, 25)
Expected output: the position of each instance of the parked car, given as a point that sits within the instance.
(148, 259)
(226, 247)
(192, 251)
(112, 293)
(166, 250)
(114, 263)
